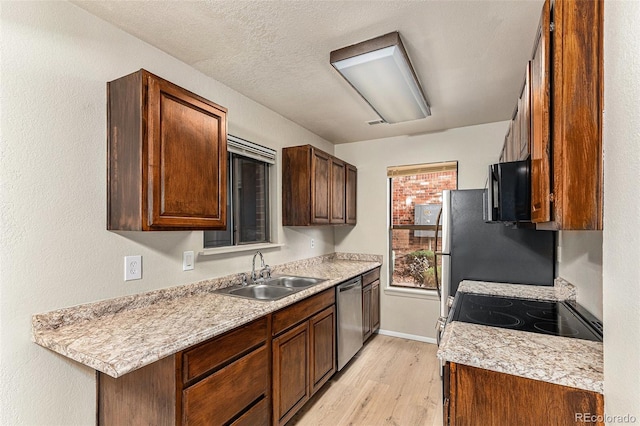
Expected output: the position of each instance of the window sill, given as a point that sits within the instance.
(238, 249)
(411, 293)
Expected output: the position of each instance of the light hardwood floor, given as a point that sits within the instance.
(391, 381)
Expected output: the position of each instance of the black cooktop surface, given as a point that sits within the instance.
(547, 317)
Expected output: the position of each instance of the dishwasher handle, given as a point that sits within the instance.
(348, 286)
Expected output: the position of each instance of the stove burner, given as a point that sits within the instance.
(494, 318)
(551, 328)
(539, 305)
(489, 301)
(547, 315)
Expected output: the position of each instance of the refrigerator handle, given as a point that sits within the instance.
(446, 221)
(435, 256)
(446, 285)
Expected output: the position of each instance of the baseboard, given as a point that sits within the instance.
(408, 336)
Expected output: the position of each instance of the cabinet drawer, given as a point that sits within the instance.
(221, 350)
(370, 277)
(291, 315)
(221, 396)
(257, 415)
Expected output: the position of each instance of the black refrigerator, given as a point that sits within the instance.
(473, 249)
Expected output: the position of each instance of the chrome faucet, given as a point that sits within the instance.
(254, 275)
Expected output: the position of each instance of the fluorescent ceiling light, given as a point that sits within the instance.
(380, 71)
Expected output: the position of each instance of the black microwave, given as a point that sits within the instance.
(508, 192)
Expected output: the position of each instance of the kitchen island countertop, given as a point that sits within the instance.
(561, 360)
(120, 335)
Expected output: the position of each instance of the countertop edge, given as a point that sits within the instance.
(48, 328)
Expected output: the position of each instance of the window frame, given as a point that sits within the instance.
(238, 147)
(410, 170)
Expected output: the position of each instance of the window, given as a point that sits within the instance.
(414, 203)
(248, 206)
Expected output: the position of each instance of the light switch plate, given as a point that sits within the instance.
(132, 268)
(188, 261)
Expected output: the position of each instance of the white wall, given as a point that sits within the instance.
(55, 250)
(580, 263)
(474, 147)
(621, 239)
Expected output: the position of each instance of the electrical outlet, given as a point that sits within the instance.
(187, 261)
(313, 243)
(132, 268)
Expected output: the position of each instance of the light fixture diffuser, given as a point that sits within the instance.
(380, 71)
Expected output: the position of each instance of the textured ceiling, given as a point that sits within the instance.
(470, 56)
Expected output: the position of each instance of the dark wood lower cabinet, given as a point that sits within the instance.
(474, 396)
(225, 380)
(290, 372)
(375, 306)
(304, 356)
(366, 312)
(261, 373)
(322, 339)
(370, 303)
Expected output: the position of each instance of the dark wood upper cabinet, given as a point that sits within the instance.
(566, 106)
(317, 188)
(321, 186)
(338, 190)
(576, 119)
(350, 195)
(540, 113)
(167, 157)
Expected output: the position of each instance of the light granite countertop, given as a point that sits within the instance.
(120, 335)
(561, 360)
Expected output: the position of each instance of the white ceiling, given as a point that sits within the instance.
(470, 56)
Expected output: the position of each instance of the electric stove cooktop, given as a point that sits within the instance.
(566, 319)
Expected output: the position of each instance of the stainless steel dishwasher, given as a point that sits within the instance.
(349, 301)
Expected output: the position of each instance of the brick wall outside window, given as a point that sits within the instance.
(407, 192)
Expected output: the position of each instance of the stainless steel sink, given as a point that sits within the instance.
(261, 292)
(272, 288)
(291, 281)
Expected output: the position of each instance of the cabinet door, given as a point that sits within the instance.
(366, 312)
(505, 399)
(375, 306)
(187, 159)
(337, 192)
(351, 194)
(524, 104)
(540, 136)
(290, 372)
(322, 329)
(320, 186)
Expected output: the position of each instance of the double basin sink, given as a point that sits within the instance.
(272, 288)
